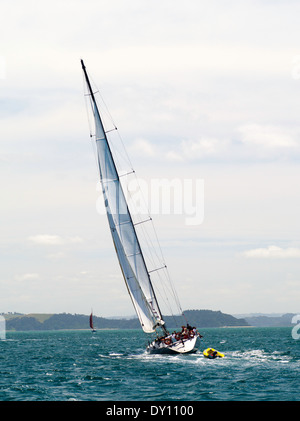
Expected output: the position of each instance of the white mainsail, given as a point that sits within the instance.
(123, 231)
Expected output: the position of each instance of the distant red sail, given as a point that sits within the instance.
(91, 321)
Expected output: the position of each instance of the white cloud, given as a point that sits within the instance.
(257, 142)
(273, 252)
(174, 156)
(46, 239)
(27, 277)
(56, 256)
(266, 136)
(142, 147)
(199, 148)
(75, 239)
(193, 149)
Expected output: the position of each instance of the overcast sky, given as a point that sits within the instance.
(202, 91)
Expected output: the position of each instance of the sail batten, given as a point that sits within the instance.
(123, 232)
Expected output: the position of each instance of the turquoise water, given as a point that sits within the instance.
(112, 365)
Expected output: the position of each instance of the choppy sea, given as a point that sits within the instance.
(260, 364)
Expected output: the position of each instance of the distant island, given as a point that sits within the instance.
(199, 318)
(270, 320)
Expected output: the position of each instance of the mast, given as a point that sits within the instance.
(126, 242)
(92, 95)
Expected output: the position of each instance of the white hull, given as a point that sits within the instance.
(184, 346)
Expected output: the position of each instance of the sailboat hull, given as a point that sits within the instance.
(185, 346)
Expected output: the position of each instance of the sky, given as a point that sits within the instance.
(206, 98)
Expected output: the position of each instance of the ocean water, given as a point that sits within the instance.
(260, 364)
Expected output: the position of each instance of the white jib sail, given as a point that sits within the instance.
(124, 236)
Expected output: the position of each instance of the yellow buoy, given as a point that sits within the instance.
(212, 353)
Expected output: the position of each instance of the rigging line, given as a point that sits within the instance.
(159, 255)
(153, 243)
(165, 292)
(127, 173)
(150, 251)
(164, 298)
(165, 285)
(168, 275)
(111, 130)
(102, 99)
(142, 222)
(138, 210)
(88, 94)
(161, 282)
(123, 146)
(158, 243)
(153, 255)
(87, 108)
(90, 126)
(164, 288)
(155, 270)
(151, 248)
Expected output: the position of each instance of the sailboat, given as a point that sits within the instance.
(92, 323)
(127, 245)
